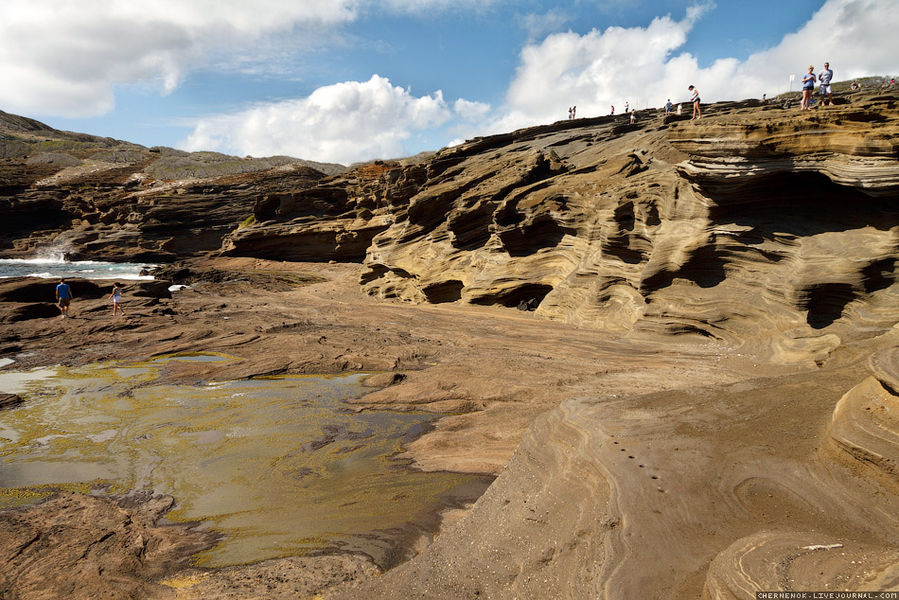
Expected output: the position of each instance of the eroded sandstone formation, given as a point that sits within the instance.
(753, 221)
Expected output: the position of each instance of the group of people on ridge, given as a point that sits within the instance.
(808, 86)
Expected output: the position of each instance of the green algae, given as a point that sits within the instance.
(279, 466)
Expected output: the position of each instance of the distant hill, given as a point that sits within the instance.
(36, 142)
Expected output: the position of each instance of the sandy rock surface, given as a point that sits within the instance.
(608, 450)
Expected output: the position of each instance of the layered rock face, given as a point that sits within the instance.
(99, 198)
(334, 220)
(752, 220)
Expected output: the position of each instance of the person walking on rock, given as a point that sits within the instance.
(668, 107)
(116, 297)
(63, 298)
(808, 85)
(824, 79)
(694, 99)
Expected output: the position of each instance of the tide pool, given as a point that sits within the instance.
(279, 466)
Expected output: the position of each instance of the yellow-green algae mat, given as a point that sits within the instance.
(279, 466)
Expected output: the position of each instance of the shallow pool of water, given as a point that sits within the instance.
(279, 466)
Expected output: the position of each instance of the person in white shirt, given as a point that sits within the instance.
(824, 79)
(694, 99)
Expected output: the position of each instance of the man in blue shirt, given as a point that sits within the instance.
(824, 77)
(63, 297)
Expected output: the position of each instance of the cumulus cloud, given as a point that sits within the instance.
(344, 122)
(640, 64)
(64, 58)
(470, 111)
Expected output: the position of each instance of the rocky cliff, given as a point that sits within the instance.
(758, 225)
(98, 198)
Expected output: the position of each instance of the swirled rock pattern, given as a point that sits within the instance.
(114, 548)
(717, 492)
(755, 226)
(802, 562)
(865, 426)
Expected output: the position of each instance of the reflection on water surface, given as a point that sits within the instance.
(278, 465)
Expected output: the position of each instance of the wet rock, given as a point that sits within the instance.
(384, 379)
(78, 546)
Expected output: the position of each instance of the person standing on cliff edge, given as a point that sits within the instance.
(694, 99)
(808, 85)
(824, 79)
(63, 298)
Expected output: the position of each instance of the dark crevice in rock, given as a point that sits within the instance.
(879, 275)
(471, 228)
(376, 271)
(530, 293)
(444, 291)
(624, 216)
(799, 204)
(825, 303)
(687, 328)
(705, 267)
(621, 247)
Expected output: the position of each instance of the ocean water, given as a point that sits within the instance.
(57, 267)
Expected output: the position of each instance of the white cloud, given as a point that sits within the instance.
(344, 122)
(640, 65)
(423, 6)
(62, 57)
(470, 111)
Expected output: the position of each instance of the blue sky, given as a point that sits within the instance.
(349, 80)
